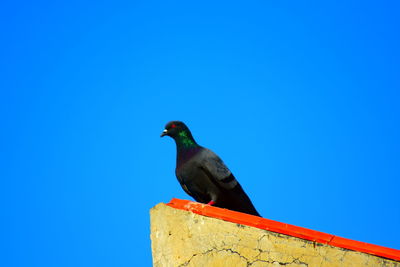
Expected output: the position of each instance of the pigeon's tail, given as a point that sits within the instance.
(239, 201)
(249, 210)
(248, 207)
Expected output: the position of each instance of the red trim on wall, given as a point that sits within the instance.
(283, 228)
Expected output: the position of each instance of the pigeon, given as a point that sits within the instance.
(203, 175)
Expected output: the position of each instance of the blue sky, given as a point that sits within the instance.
(301, 100)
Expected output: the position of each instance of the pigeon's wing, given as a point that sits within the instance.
(193, 191)
(215, 168)
(185, 188)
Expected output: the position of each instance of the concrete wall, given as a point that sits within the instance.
(183, 238)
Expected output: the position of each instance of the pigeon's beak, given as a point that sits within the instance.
(164, 133)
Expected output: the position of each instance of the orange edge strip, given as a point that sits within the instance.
(283, 228)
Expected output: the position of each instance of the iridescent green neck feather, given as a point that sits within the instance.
(185, 140)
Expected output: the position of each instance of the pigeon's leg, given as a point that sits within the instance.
(213, 198)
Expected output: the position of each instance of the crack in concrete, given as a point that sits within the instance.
(248, 262)
(186, 263)
(294, 261)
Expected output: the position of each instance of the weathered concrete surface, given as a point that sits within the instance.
(182, 238)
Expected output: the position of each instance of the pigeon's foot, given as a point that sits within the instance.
(211, 203)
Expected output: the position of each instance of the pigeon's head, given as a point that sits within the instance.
(174, 128)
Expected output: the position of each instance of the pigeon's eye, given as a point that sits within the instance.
(173, 126)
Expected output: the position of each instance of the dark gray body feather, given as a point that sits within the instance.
(205, 177)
